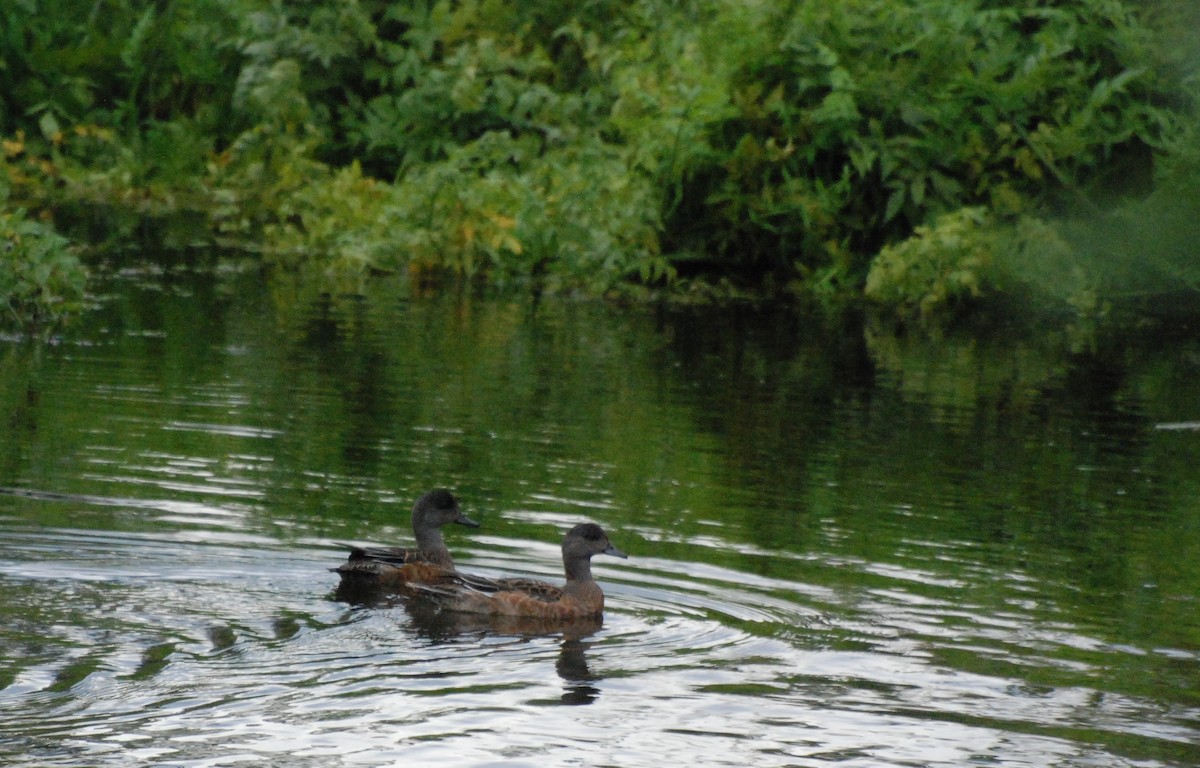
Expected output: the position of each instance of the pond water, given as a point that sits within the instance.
(844, 547)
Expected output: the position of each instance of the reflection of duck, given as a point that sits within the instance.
(442, 626)
(432, 620)
(376, 568)
(580, 597)
(572, 666)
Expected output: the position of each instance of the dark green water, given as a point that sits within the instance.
(845, 548)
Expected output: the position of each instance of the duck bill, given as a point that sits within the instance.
(611, 550)
(464, 520)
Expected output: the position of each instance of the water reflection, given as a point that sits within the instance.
(880, 551)
(432, 622)
(572, 666)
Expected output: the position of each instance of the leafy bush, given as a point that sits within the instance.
(589, 146)
(967, 255)
(938, 266)
(41, 280)
(498, 173)
(859, 121)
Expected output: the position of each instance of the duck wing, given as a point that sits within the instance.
(531, 587)
(390, 555)
(540, 590)
(465, 583)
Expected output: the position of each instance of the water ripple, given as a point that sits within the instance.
(202, 652)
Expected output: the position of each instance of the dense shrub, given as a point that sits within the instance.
(858, 121)
(41, 280)
(818, 145)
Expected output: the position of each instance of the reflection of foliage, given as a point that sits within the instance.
(956, 376)
(771, 445)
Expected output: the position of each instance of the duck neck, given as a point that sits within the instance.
(432, 544)
(578, 569)
(430, 539)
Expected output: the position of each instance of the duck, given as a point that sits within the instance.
(579, 598)
(397, 567)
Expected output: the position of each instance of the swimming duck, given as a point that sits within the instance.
(428, 562)
(580, 597)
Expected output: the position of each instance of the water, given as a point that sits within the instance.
(845, 548)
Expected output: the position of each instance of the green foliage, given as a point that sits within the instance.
(938, 266)
(430, 106)
(570, 218)
(495, 208)
(41, 280)
(968, 255)
(115, 63)
(340, 217)
(858, 121)
(592, 146)
(499, 173)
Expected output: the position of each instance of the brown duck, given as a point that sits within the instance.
(580, 597)
(427, 563)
